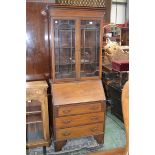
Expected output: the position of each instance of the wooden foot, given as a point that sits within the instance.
(58, 145)
(99, 138)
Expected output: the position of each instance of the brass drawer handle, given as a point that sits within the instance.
(93, 129)
(66, 111)
(93, 108)
(67, 121)
(66, 133)
(94, 118)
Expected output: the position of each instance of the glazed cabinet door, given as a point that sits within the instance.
(64, 48)
(90, 48)
(34, 121)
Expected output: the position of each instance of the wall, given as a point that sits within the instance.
(119, 11)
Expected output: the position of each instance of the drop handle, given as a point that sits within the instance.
(66, 111)
(94, 118)
(66, 133)
(66, 121)
(94, 108)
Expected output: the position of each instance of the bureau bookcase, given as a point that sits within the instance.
(76, 51)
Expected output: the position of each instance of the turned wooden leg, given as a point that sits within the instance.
(58, 145)
(99, 138)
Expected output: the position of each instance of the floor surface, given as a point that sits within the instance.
(114, 137)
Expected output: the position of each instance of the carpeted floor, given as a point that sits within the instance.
(114, 137)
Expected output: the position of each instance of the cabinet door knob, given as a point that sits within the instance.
(66, 111)
(66, 133)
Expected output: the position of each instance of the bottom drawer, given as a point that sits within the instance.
(75, 132)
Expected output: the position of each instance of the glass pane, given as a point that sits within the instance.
(90, 48)
(34, 124)
(34, 132)
(64, 40)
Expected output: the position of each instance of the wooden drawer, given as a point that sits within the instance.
(87, 130)
(32, 91)
(77, 120)
(79, 108)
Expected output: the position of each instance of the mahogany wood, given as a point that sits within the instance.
(73, 109)
(76, 103)
(77, 48)
(73, 120)
(78, 120)
(77, 92)
(75, 11)
(74, 132)
(37, 47)
(77, 14)
(59, 144)
(99, 138)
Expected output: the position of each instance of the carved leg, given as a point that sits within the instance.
(58, 145)
(99, 138)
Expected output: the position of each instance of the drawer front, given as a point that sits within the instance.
(74, 132)
(78, 120)
(31, 91)
(79, 109)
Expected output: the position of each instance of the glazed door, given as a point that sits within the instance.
(64, 49)
(34, 121)
(90, 48)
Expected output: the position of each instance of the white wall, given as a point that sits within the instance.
(127, 10)
(118, 16)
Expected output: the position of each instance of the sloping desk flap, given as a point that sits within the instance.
(77, 92)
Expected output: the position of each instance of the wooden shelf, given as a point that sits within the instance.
(64, 47)
(34, 122)
(33, 112)
(37, 143)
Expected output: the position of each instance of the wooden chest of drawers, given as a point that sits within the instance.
(75, 113)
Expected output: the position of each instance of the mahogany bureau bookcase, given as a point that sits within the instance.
(76, 50)
(37, 122)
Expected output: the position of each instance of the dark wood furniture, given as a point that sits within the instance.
(37, 123)
(125, 36)
(37, 46)
(113, 82)
(115, 96)
(125, 107)
(78, 96)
